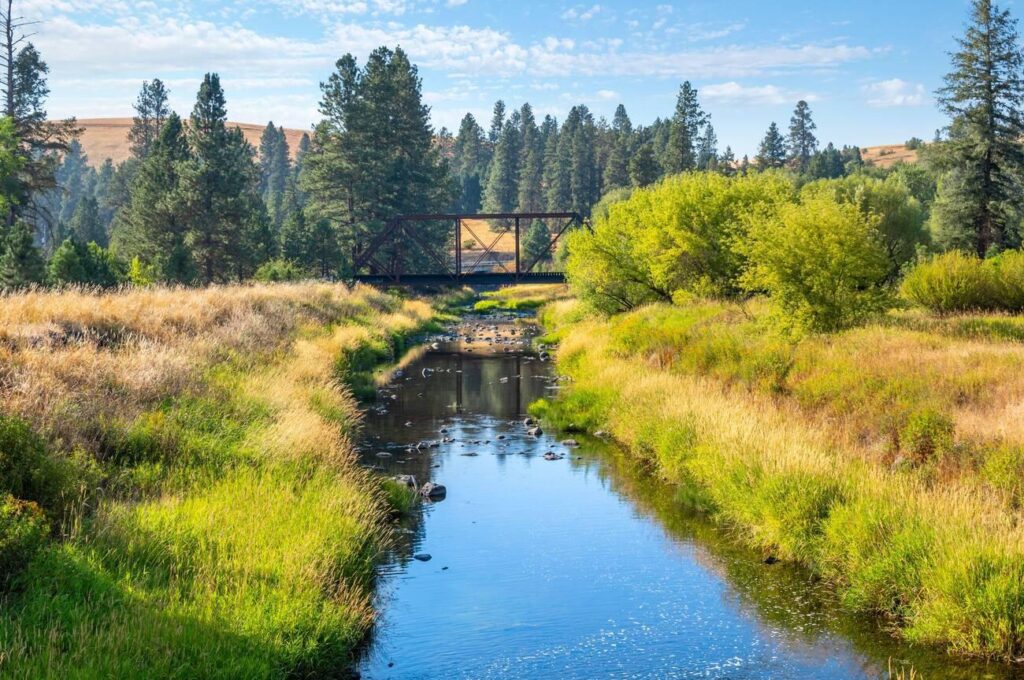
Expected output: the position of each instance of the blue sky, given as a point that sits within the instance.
(868, 68)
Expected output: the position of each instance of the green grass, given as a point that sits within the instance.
(226, 531)
(792, 445)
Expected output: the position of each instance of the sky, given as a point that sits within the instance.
(869, 69)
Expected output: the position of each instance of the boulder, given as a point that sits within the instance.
(535, 432)
(571, 443)
(433, 491)
(422, 557)
(408, 481)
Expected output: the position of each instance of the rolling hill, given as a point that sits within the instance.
(104, 138)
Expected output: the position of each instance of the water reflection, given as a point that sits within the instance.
(580, 567)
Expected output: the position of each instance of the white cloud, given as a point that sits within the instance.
(895, 92)
(455, 3)
(581, 13)
(607, 95)
(754, 95)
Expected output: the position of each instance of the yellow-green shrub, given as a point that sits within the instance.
(820, 262)
(952, 282)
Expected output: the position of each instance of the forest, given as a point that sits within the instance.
(196, 204)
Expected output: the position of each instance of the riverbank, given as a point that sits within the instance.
(887, 459)
(181, 497)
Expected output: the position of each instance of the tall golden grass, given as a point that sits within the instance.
(230, 534)
(808, 451)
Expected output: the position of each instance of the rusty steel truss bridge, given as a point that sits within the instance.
(384, 260)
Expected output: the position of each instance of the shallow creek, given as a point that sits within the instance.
(577, 565)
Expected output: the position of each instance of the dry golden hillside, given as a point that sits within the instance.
(887, 155)
(104, 138)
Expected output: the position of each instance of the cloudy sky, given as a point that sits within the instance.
(869, 68)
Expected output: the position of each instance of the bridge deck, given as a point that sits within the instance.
(464, 279)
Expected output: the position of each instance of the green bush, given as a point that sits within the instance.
(900, 218)
(927, 435)
(279, 270)
(820, 262)
(676, 237)
(953, 282)
(1007, 271)
(23, 531)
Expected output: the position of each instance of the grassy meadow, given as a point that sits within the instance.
(183, 495)
(888, 458)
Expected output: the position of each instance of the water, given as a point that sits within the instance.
(580, 567)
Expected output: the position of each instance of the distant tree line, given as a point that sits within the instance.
(195, 203)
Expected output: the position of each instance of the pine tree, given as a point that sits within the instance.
(801, 143)
(826, 164)
(684, 131)
(154, 225)
(772, 152)
(557, 168)
(85, 225)
(578, 134)
(275, 169)
(727, 162)
(21, 263)
(40, 141)
(531, 164)
(502, 192)
(497, 123)
(373, 158)
(469, 162)
(151, 111)
(536, 244)
(980, 202)
(228, 232)
(707, 155)
(643, 167)
(616, 172)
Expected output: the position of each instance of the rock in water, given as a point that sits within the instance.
(571, 443)
(407, 481)
(535, 432)
(433, 491)
(422, 557)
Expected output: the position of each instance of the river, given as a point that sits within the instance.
(581, 566)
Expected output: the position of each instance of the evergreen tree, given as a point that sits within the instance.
(531, 164)
(75, 263)
(643, 167)
(772, 152)
(154, 224)
(980, 201)
(827, 164)
(275, 169)
(852, 160)
(151, 111)
(324, 250)
(536, 245)
(616, 171)
(219, 188)
(40, 141)
(497, 123)
(373, 156)
(469, 162)
(557, 169)
(727, 162)
(85, 225)
(801, 143)
(21, 263)
(501, 193)
(707, 155)
(579, 133)
(684, 131)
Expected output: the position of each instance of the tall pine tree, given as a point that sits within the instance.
(151, 111)
(772, 152)
(684, 131)
(801, 143)
(981, 200)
